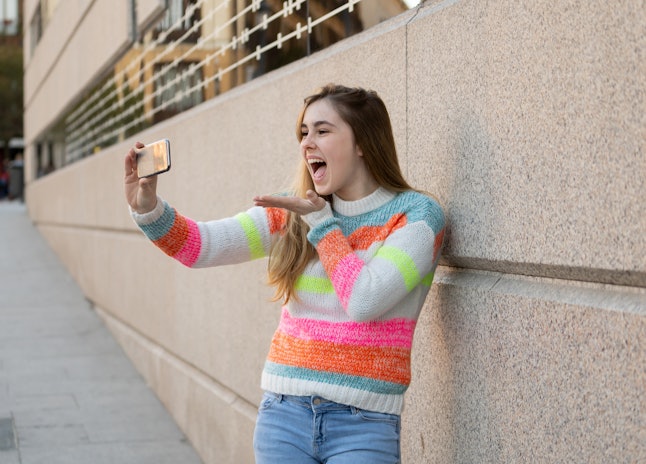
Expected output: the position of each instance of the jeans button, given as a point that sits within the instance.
(316, 401)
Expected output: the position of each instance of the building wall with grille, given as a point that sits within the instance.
(526, 121)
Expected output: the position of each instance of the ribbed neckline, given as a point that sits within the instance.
(378, 198)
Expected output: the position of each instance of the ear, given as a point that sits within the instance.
(358, 151)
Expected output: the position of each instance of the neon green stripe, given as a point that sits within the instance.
(428, 280)
(314, 284)
(403, 262)
(253, 237)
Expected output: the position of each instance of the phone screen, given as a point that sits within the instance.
(153, 159)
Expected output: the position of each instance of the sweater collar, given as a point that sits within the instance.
(378, 198)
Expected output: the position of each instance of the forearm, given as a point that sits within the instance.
(203, 244)
(174, 234)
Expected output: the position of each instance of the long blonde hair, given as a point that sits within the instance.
(365, 112)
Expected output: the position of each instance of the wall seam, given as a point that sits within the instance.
(609, 297)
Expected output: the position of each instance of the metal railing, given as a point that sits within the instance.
(202, 48)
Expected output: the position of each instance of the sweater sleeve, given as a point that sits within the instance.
(404, 252)
(241, 238)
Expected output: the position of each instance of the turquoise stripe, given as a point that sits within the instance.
(316, 234)
(416, 206)
(404, 264)
(157, 229)
(319, 285)
(428, 210)
(352, 381)
(253, 236)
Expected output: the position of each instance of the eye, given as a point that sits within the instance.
(323, 131)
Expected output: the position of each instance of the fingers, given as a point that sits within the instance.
(131, 159)
(140, 193)
(295, 204)
(130, 162)
(317, 201)
(269, 201)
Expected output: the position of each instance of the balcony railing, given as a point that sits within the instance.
(202, 48)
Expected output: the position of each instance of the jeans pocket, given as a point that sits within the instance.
(371, 416)
(268, 399)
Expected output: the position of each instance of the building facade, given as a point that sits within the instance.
(525, 120)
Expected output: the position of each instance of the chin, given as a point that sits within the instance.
(322, 191)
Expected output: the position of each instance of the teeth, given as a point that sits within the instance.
(314, 161)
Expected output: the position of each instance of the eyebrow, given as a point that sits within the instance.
(318, 123)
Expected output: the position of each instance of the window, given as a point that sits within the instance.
(176, 88)
(202, 48)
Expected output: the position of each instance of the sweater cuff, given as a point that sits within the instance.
(150, 216)
(315, 218)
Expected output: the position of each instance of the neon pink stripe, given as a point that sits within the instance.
(345, 274)
(391, 333)
(191, 249)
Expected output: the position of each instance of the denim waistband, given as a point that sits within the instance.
(311, 402)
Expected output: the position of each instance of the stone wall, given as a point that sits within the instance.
(526, 120)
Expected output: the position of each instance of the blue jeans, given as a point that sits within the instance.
(312, 430)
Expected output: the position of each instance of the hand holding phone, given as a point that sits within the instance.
(153, 158)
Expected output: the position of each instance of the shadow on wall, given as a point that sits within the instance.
(459, 327)
(475, 193)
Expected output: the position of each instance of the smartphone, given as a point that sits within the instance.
(153, 159)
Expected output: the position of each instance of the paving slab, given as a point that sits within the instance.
(68, 393)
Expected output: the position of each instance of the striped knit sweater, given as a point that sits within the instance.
(348, 335)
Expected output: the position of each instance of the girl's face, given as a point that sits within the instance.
(334, 161)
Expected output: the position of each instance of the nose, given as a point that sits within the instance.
(306, 141)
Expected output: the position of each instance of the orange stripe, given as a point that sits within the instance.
(174, 240)
(439, 239)
(365, 236)
(332, 248)
(276, 218)
(391, 364)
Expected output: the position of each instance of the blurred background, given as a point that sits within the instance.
(11, 100)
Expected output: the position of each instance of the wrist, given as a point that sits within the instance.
(148, 214)
(144, 207)
(143, 210)
(317, 217)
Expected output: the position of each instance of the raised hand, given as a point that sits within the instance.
(298, 205)
(141, 194)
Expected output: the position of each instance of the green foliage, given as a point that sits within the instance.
(11, 93)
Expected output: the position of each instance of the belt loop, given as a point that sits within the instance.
(279, 397)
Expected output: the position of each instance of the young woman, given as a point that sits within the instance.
(352, 252)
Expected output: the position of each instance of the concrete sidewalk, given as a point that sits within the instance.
(68, 394)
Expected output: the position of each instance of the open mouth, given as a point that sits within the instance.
(318, 168)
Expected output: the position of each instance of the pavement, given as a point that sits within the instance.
(68, 393)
